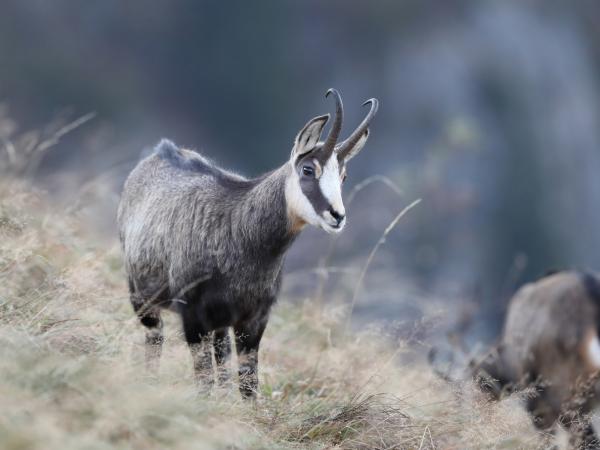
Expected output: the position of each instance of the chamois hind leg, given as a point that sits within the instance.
(222, 346)
(149, 316)
(199, 342)
(247, 340)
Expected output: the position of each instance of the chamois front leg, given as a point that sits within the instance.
(588, 437)
(247, 341)
(199, 342)
(222, 346)
(576, 413)
(582, 434)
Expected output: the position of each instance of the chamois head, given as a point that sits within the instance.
(314, 191)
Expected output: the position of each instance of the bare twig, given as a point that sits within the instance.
(379, 243)
(53, 140)
(40, 149)
(324, 261)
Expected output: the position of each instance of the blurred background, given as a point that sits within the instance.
(490, 112)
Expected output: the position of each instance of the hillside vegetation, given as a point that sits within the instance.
(71, 369)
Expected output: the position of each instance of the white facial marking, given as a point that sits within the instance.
(331, 184)
(297, 202)
(318, 169)
(593, 350)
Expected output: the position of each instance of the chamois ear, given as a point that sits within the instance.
(353, 151)
(309, 136)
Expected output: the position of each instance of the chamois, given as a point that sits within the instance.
(550, 342)
(210, 244)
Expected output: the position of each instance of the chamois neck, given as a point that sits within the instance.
(264, 224)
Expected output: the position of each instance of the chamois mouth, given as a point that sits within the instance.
(334, 228)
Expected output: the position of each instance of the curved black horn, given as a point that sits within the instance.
(334, 133)
(349, 143)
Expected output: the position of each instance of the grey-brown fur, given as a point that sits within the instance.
(215, 258)
(210, 244)
(545, 345)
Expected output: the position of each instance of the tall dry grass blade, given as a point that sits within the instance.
(370, 180)
(11, 151)
(379, 243)
(40, 149)
(324, 261)
(53, 140)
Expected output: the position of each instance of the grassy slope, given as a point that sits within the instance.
(71, 375)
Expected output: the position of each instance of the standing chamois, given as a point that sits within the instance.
(550, 344)
(210, 244)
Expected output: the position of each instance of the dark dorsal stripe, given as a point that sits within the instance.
(550, 272)
(592, 287)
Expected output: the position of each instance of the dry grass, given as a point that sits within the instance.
(71, 375)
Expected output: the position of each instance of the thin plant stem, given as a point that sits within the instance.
(40, 150)
(379, 243)
(324, 261)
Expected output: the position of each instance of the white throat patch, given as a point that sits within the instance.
(593, 351)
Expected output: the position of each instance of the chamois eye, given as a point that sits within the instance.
(308, 171)
(344, 178)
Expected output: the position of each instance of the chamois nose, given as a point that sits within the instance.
(336, 215)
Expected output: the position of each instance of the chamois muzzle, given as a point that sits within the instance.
(338, 217)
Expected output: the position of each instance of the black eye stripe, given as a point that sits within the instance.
(312, 191)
